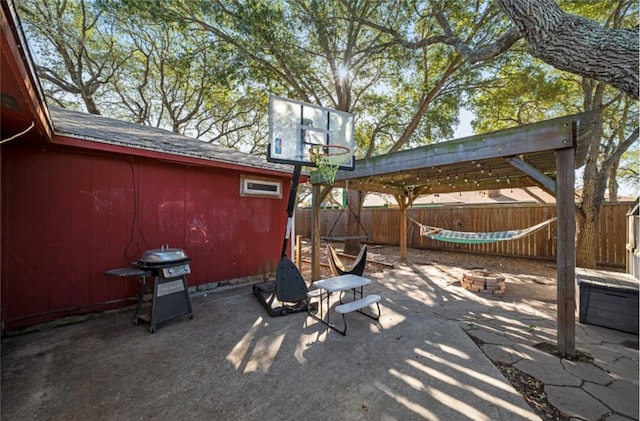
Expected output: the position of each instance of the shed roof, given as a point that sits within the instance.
(110, 131)
(21, 98)
(23, 106)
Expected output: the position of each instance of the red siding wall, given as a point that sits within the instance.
(68, 216)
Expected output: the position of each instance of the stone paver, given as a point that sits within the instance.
(617, 417)
(544, 367)
(490, 337)
(510, 329)
(609, 352)
(502, 353)
(620, 396)
(575, 402)
(620, 368)
(588, 372)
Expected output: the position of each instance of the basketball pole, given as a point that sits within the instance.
(293, 192)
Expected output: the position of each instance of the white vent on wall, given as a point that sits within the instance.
(260, 187)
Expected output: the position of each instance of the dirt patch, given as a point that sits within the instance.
(553, 350)
(381, 257)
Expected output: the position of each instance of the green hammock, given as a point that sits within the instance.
(464, 237)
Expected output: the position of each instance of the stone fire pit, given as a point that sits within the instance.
(484, 282)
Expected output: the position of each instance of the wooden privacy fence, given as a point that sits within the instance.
(382, 227)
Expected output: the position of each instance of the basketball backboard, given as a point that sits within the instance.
(295, 127)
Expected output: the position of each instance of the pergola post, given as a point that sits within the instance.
(566, 252)
(315, 232)
(404, 201)
(403, 233)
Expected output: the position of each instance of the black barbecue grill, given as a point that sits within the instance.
(165, 262)
(169, 267)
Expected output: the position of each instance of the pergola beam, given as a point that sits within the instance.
(547, 135)
(512, 181)
(548, 182)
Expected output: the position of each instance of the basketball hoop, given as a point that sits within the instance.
(328, 159)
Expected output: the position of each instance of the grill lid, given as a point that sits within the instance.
(163, 256)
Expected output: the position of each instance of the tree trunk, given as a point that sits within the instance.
(590, 207)
(613, 182)
(586, 241)
(594, 182)
(89, 102)
(576, 44)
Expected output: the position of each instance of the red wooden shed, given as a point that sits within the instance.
(82, 194)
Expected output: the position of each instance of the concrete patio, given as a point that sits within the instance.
(234, 362)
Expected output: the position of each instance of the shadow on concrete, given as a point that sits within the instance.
(232, 361)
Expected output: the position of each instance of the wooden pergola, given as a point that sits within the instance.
(543, 154)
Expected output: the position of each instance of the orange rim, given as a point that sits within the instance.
(316, 150)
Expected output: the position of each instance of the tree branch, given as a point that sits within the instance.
(576, 44)
(480, 54)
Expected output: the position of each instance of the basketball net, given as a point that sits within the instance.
(328, 159)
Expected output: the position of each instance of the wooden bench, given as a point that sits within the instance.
(358, 305)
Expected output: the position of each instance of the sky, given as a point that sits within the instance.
(464, 129)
